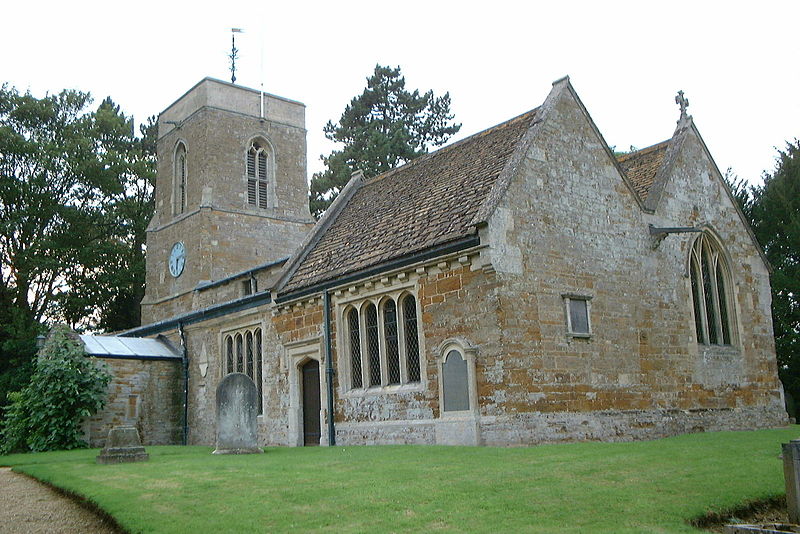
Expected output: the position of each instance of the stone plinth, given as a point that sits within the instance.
(122, 446)
(237, 410)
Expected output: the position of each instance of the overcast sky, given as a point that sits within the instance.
(735, 61)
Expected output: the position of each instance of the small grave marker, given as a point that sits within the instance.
(123, 445)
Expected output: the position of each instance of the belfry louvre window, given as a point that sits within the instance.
(242, 354)
(710, 298)
(382, 342)
(179, 199)
(257, 174)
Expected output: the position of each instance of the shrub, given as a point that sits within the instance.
(66, 387)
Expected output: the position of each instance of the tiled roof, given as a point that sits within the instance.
(427, 202)
(642, 166)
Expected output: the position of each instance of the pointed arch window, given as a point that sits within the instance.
(242, 354)
(179, 179)
(258, 174)
(710, 280)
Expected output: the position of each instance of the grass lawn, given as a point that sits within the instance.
(653, 486)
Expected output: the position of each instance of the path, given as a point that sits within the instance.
(28, 507)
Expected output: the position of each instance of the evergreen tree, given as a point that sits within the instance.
(775, 214)
(382, 128)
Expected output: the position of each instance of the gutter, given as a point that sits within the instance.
(208, 285)
(427, 254)
(204, 314)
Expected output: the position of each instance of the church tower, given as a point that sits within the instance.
(231, 191)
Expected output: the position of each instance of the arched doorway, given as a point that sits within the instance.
(311, 403)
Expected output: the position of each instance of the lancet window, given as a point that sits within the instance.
(243, 354)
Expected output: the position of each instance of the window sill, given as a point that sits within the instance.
(384, 390)
(578, 335)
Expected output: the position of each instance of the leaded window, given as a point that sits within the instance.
(242, 353)
(373, 347)
(710, 299)
(392, 347)
(382, 342)
(411, 338)
(257, 174)
(355, 349)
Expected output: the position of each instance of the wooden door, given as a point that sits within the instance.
(311, 403)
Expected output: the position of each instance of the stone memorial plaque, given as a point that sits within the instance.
(237, 410)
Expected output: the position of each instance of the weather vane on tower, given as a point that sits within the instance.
(234, 52)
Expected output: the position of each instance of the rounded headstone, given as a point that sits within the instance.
(237, 412)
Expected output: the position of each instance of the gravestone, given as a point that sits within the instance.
(237, 409)
(123, 445)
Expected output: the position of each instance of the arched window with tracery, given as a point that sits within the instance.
(242, 353)
(257, 174)
(710, 278)
(179, 179)
(373, 345)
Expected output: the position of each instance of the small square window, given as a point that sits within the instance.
(578, 323)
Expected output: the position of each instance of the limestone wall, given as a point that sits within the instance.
(144, 394)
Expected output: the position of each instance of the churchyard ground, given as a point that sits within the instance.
(653, 486)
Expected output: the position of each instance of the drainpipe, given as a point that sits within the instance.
(185, 361)
(326, 303)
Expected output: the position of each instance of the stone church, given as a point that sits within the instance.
(520, 286)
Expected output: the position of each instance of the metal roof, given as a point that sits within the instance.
(133, 348)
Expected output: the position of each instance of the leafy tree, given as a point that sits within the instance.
(775, 214)
(66, 387)
(75, 198)
(382, 128)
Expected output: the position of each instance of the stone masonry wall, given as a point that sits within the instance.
(221, 232)
(569, 225)
(144, 394)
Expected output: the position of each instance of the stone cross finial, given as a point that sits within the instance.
(683, 102)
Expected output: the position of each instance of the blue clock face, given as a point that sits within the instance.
(177, 259)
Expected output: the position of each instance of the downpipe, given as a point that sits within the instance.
(185, 362)
(326, 303)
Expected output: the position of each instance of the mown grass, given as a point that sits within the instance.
(655, 486)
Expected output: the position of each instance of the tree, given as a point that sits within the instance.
(66, 387)
(775, 215)
(382, 128)
(75, 198)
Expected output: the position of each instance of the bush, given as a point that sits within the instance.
(66, 387)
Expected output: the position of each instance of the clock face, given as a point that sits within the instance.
(177, 259)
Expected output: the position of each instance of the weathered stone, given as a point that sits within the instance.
(237, 409)
(791, 476)
(122, 446)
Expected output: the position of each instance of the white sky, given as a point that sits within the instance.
(736, 61)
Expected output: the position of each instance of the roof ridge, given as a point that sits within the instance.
(445, 149)
(642, 151)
